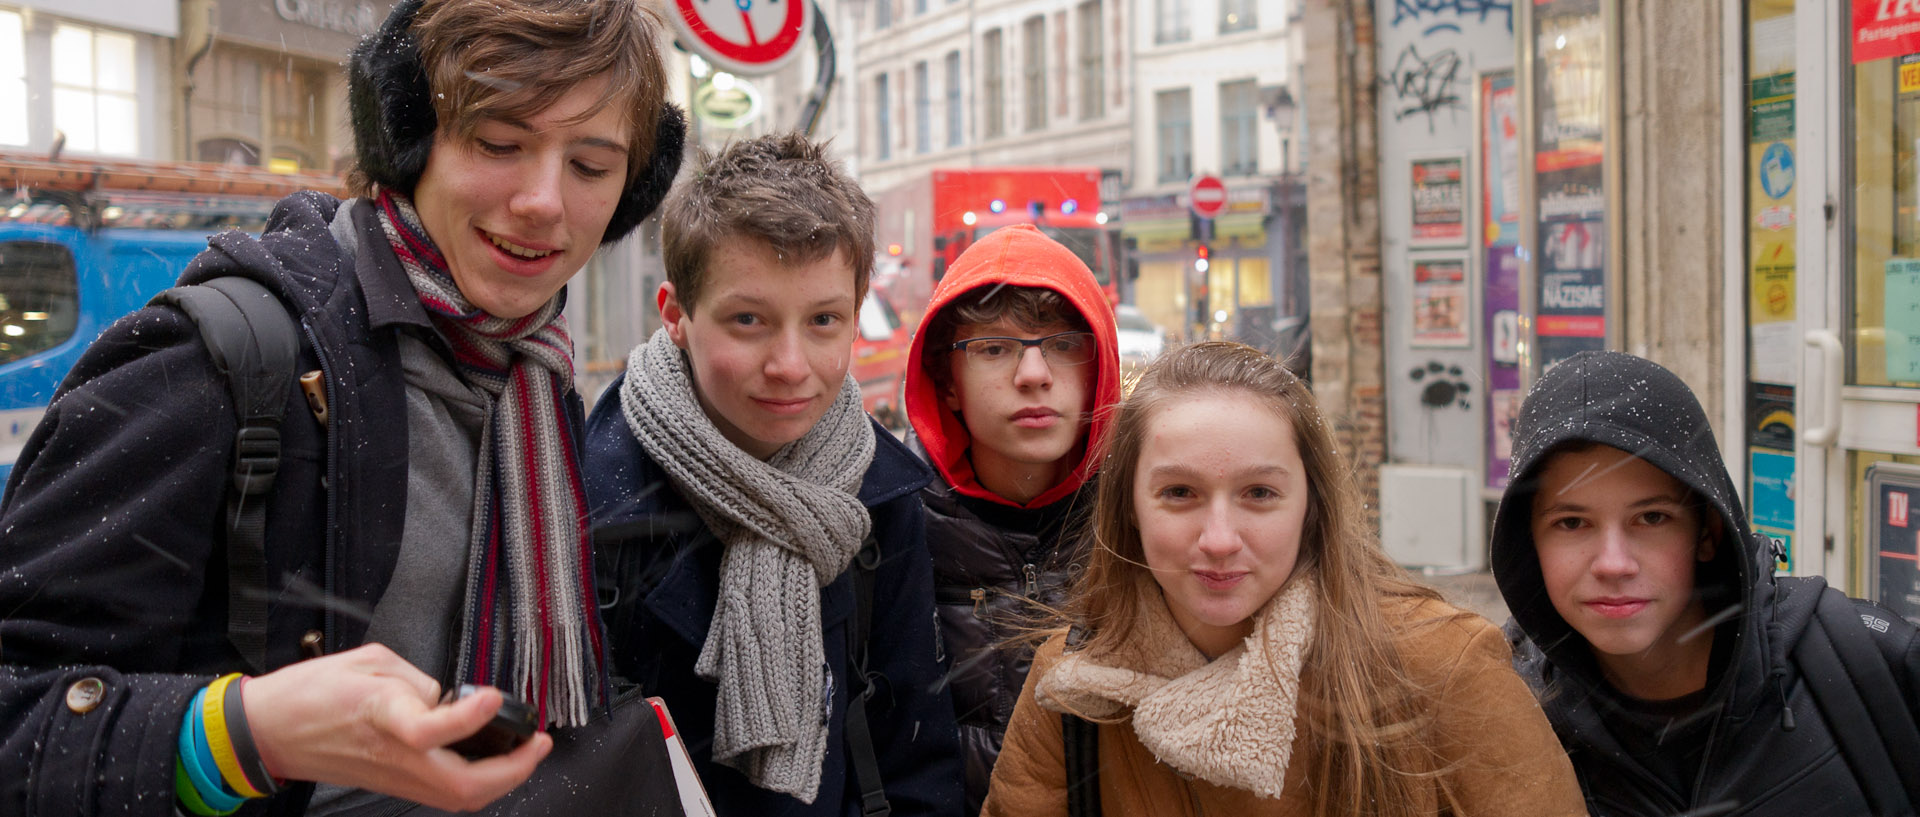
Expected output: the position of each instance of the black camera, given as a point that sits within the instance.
(510, 727)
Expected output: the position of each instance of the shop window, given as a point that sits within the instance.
(93, 91)
(993, 94)
(1174, 119)
(1034, 71)
(1093, 73)
(1255, 277)
(1886, 221)
(13, 79)
(39, 298)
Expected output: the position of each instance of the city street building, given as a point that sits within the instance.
(1498, 185)
(98, 72)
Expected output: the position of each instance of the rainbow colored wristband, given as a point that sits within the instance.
(197, 759)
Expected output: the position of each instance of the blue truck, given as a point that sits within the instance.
(84, 242)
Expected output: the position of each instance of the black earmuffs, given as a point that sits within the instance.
(393, 122)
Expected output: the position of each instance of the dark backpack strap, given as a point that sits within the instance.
(1080, 744)
(1861, 702)
(254, 344)
(866, 765)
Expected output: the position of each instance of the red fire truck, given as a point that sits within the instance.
(926, 224)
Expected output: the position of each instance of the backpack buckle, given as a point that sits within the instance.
(256, 458)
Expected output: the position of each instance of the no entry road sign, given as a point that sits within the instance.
(743, 36)
(1207, 196)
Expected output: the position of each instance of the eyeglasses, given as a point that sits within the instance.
(1064, 349)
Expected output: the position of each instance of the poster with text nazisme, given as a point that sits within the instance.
(1499, 146)
(1439, 194)
(1570, 88)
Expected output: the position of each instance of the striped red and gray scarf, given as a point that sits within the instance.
(530, 627)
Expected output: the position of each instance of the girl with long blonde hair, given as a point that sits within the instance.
(1244, 647)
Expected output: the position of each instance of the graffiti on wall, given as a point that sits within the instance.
(1424, 84)
(1434, 13)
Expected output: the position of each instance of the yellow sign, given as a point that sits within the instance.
(1771, 232)
(1910, 73)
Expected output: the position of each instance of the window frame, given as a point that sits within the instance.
(1033, 73)
(1093, 55)
(1173, 145)
(1239, 123)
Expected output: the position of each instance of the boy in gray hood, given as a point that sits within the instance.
(1677, 669)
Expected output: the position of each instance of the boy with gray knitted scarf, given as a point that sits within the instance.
(734, 479)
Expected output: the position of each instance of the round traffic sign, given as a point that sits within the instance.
(743, 36)
(1207, 196)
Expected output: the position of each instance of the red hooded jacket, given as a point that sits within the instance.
(1020, 255)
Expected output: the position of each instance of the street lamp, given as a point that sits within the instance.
(1281, 109)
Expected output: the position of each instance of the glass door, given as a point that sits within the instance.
(1862, 406)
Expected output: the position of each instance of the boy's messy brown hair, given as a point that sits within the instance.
(780, 190)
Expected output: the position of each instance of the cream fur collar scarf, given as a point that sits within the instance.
(1229, 721)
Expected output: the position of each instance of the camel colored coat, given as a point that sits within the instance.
(1510, 763)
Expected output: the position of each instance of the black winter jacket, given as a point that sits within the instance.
(994, 563)
(1756, 759)
(658, 569)
(112, 564)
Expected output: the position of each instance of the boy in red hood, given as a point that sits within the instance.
(1011, 376)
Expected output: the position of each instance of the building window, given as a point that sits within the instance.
(13, 79)
(882, 13)
(955, 112)
(994, 99)
(919, 6)
(1239, 107)
(883, 125)
(93, 87)
(1033, 69)
(922, 109)
(1174, 113)
(1170, 21)
(1239, 15)
(1093, 75)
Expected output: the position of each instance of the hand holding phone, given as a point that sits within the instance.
(511, 726)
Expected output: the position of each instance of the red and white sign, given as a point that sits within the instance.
(1897, 508)
(743, 36)
(1885, 28)
(1208, 195)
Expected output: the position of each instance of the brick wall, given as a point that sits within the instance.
(1343, 212)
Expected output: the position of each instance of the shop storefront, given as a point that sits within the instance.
(263, 84)
(1223, 280)
(1835, 444)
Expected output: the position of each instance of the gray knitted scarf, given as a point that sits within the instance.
(790, 525)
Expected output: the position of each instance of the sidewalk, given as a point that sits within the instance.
(1470, 591)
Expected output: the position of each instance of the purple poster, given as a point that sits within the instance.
(1500, 231)
(1503, 359)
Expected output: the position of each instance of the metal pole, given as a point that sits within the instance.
(823, 79)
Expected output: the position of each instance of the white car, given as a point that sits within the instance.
(1140, 340)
